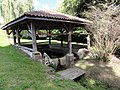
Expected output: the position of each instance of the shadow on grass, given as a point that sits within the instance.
(103, 74)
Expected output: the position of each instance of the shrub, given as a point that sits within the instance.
(105, 30)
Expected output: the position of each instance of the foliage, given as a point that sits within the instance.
(76, 34)
(10, 9)
(73, 7)
(105, 30)
(76, 7)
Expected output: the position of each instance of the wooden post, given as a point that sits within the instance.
(36, 55)
(69, 42)
(88, 41)
(33, 33)
(18, 36)
(61, 37)
(49, 37)
(14, 37)
(70, 56)
(70, 39)
(62, 41)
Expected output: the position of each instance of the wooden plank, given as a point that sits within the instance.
(27, 52)
(71, 73)
(26, 48)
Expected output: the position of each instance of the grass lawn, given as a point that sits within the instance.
(19, 72)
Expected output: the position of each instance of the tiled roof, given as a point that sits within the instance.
(55, 15)
(46, 15)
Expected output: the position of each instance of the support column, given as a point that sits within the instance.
(69, 41)
(61, 37)
(35, 55)
(49, 37)
(18, 36)
(70, 56)
(14, 37)
(88, 41)
(33, 33)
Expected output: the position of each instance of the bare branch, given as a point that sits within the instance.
(105, 29)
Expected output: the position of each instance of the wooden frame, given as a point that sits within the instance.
(34, 22)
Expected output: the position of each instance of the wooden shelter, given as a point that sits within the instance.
(43, 20)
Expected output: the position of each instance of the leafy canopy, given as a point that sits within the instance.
(76, 7)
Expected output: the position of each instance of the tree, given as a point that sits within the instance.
(76, 7)
(10, 9)
(105, 30)
(73, 7)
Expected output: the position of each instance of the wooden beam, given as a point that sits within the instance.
(61, 37)
(56, 20)
(18, 36)
(70, 56)
(70, 39)
(8, 32)
(33, 32)
(26, 48)
(88, 41)
(20, 19)
(29, 30)
(49, 37)
(14, 37)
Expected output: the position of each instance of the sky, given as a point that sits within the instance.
(46, 4)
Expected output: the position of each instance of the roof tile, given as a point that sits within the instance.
(55, 15)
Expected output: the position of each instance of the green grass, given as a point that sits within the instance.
(19, 72)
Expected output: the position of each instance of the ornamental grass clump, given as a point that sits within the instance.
(105, 30)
